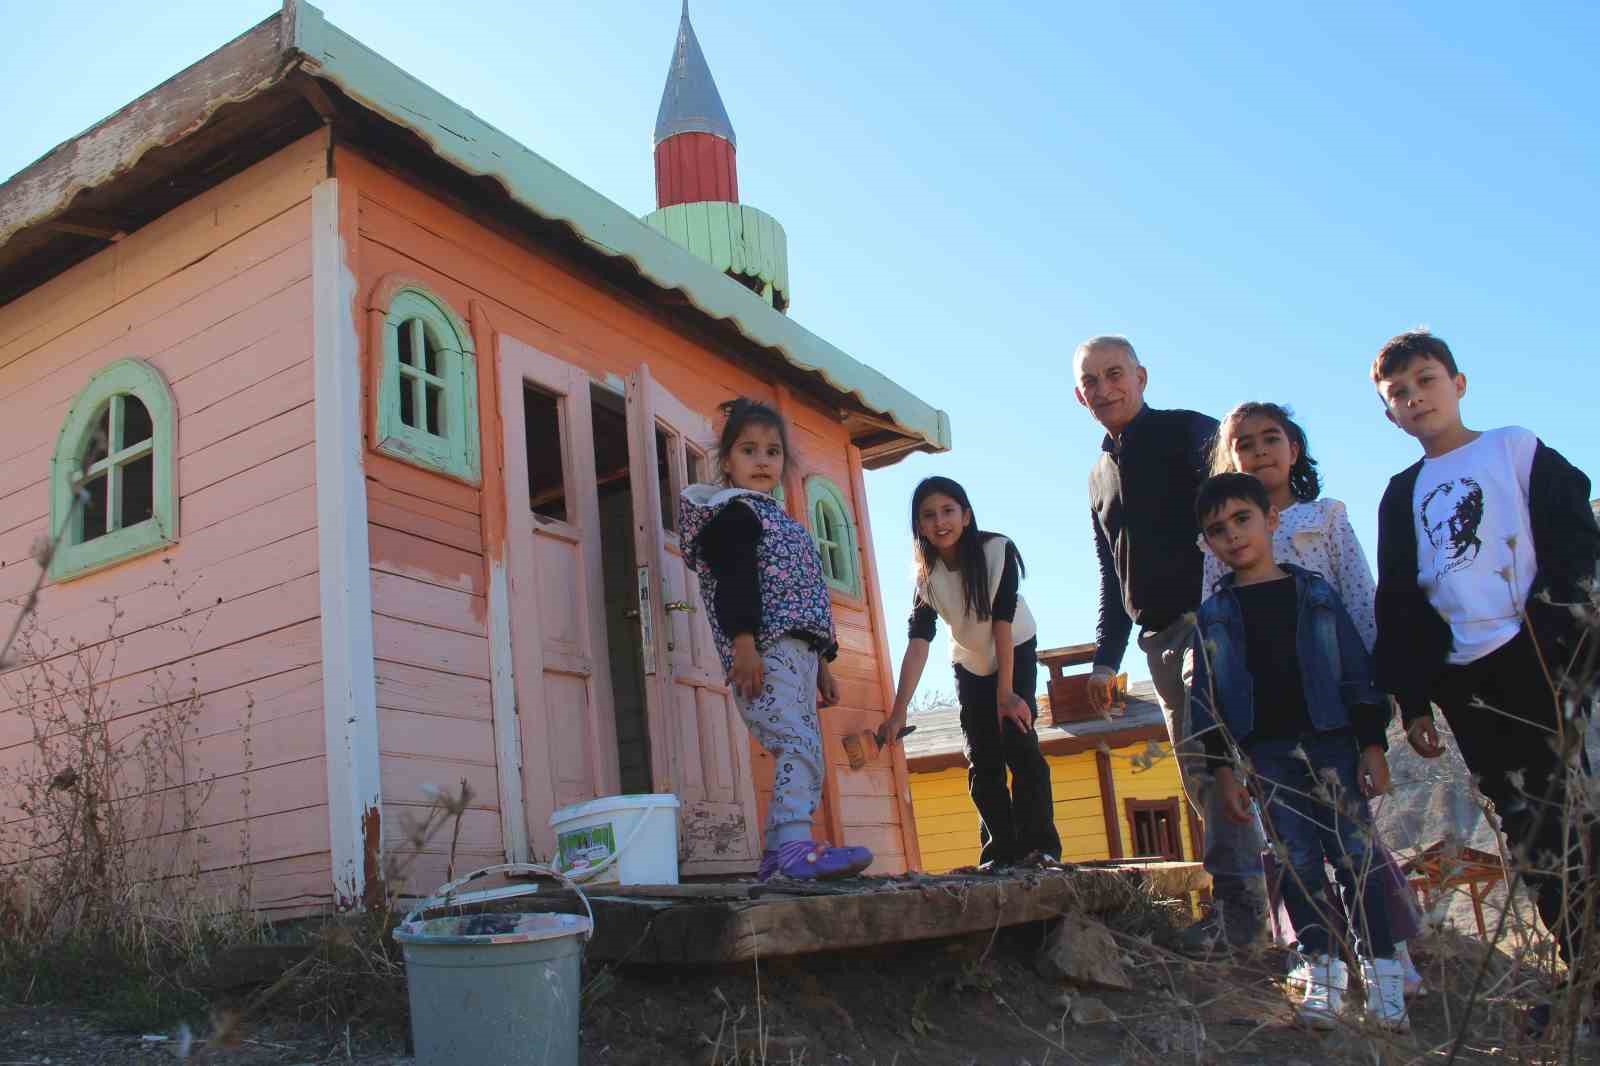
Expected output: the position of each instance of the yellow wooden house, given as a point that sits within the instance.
(1114, 781)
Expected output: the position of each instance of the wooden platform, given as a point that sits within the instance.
(714, 923)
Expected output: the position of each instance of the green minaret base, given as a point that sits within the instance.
(743, 242)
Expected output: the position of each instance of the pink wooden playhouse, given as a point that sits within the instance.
(381, 419)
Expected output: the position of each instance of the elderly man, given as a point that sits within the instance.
(1141, 504)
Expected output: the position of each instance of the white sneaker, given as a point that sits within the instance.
(1413, 984)
(1300, 976)
(1386, 997)
(1323, 997)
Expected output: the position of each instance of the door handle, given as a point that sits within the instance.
(630, 613)
(679, 605)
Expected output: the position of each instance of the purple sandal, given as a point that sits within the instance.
(805, 860)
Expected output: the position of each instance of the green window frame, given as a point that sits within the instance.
(113, 494)
(428, 394)
(833, 530)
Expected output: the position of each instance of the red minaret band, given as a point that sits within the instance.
(691, 167)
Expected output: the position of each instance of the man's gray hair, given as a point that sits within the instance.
(1107, 340)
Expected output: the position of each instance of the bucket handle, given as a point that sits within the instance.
(589, 871)
(443, 895)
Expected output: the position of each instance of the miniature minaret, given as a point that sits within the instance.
(697, 180)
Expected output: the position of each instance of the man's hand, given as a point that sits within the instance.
(745, 675)
(1102, 686)
(1373, 772)
(1424, 738)
(827, 687)
(1235, 797)
(1011, 708)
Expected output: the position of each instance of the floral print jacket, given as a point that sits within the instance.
(794, 595)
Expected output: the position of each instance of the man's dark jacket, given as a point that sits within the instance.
(1414, 640)
(1141, 504)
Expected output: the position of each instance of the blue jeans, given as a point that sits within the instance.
(1315, 811)
(1231, 852)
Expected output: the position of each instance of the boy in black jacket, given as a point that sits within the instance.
(1482, 545)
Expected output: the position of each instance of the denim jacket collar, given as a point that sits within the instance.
(1306, 584)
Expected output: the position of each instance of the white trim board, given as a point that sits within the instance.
(349, 685)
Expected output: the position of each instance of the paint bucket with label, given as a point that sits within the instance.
(628, 839)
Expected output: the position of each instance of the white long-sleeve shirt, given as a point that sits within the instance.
(1317, 536)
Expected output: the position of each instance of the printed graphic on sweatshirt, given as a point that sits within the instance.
(1451, 514)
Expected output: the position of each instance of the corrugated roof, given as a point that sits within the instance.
(939, 732)
(300, 38)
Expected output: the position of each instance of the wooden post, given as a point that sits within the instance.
(1477, 908)
(873, 593)
(1108, 803)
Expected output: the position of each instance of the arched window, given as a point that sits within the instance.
(834, 533)
(428, 394)
(112, 491)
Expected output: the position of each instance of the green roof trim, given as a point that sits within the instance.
(474, 146)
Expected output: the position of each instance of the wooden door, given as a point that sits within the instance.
(566, 727)
(699, 747)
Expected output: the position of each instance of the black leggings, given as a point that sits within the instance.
(1014, 822)
(1517, 769)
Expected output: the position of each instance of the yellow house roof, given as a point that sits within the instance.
(938, 742)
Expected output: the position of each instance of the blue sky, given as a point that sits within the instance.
(1257, 196)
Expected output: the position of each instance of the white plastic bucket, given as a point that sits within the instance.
(631, 839)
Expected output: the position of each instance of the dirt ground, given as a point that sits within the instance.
(977, 1001)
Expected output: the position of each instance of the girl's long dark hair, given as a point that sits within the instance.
(741, 412)
(1305, 484)
(974, 565)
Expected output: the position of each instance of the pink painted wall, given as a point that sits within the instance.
(216, 294)
(433, 604)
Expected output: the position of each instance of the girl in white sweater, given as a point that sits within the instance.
(969, 578)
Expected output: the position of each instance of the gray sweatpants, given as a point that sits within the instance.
(1232, 851)
(783, 719)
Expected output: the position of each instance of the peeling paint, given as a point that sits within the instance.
(709, 833)
(240, 70)
(372, 885)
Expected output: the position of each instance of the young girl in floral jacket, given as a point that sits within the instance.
(772, 621)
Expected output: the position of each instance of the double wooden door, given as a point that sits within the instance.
(566, 721)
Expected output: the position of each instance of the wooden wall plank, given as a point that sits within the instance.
(448, 738)
(433, 649)
(410, 688)
(406, 555)
(418, 601)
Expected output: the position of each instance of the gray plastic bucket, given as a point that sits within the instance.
(494, 988)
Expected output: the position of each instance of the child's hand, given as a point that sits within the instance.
(827, 687)
(1012, 709)
(889, 731)
(745, 675)
(1374, 772)
(1424, 737)
(1235, 797)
